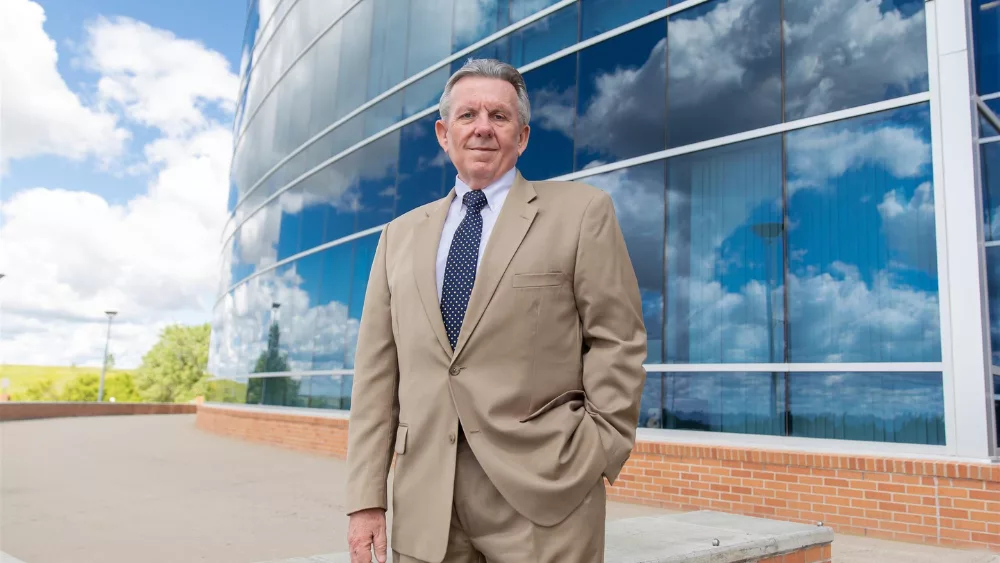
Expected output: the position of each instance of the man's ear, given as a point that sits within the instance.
(441, 130)
(522, 141)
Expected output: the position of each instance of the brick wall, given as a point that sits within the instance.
(820, 554)
(933, 502)
(320, 434)
(27, 411)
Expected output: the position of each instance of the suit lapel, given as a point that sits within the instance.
(515, 218)
(428, 235)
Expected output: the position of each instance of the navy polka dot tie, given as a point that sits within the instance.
(460, 271)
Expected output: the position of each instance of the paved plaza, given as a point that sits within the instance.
(157, 489)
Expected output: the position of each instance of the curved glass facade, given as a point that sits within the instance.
(771, 164)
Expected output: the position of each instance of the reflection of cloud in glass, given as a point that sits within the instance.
(824, 153)
(909, 225)
(844, 53)
(308, 329)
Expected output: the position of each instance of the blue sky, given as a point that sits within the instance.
(217, 24)
(115, 164)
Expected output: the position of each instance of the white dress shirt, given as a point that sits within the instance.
(495, 194)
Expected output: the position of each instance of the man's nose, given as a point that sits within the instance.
(483, 127)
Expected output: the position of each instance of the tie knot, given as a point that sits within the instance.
(475, 200)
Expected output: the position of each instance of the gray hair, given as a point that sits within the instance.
(489, 68)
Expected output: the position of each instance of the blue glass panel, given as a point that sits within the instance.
(421, 166)
(296, 291)
(742, 403)
(600, 16)
(990, 178)
(621, 110)
(384, 114)
(724, 70)
(651, 404)
(725, 255)
(852, 53)
(993, 293)
(862, 254)
(285, 391)
(354, 60)
(289, 208)
(477, 20)
(328, 392)
(872, 407)
(429, 38)
(425, 92)
(520, 9)
(373, 170)
(314, 216)
(638, 194)
(331, 312)
(986, 32)
(364, 255)
(546, 36)
(552, 92)
(388, 49)
(323, 102)
(996, 407)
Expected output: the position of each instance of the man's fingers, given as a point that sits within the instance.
(361, 546)
(380, 543)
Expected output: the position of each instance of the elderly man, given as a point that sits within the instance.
(499, 356)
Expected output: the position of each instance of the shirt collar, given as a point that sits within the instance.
(495, 193)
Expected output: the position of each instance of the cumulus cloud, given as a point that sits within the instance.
(843, 53)
(160, 80)
(69, 255)
(821, 154)
(313, 335)
(40, 114)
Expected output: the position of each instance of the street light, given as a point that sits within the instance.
(104, 364)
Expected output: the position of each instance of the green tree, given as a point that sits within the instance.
(121, 386)
(111, 362)
(82, 389)
(174, 369)
(43, 390)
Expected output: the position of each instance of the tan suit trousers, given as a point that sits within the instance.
(486, 529)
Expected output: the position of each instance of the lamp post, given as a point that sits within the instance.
(769, 232)
(104, 363)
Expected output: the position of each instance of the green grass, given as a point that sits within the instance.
(22, 377)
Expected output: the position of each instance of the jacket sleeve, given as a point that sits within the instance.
(374, 396)
(614, 336)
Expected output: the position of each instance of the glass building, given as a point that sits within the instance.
(810, 193)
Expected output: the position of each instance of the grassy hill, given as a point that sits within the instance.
(21, 377)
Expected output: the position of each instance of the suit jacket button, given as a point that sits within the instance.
(451, 438)
(454, 370)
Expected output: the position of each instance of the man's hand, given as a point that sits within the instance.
(367, 529)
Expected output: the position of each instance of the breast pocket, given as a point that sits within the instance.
(548, 279)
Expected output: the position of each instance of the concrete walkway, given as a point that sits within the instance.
(157, 489)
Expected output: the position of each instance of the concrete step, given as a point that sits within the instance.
(703, 536)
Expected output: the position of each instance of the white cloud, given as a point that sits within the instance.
(842, 53)
(70, 255)
(161, 81)
(820, 154)
(40, 115)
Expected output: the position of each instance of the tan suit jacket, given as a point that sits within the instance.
(546, 377)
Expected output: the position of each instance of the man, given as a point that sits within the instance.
(499, 355)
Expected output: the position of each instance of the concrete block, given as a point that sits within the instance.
(689, 537)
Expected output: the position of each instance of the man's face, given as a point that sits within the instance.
(483, 135)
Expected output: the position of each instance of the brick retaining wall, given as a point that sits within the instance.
(933, 502)
(29, 411)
